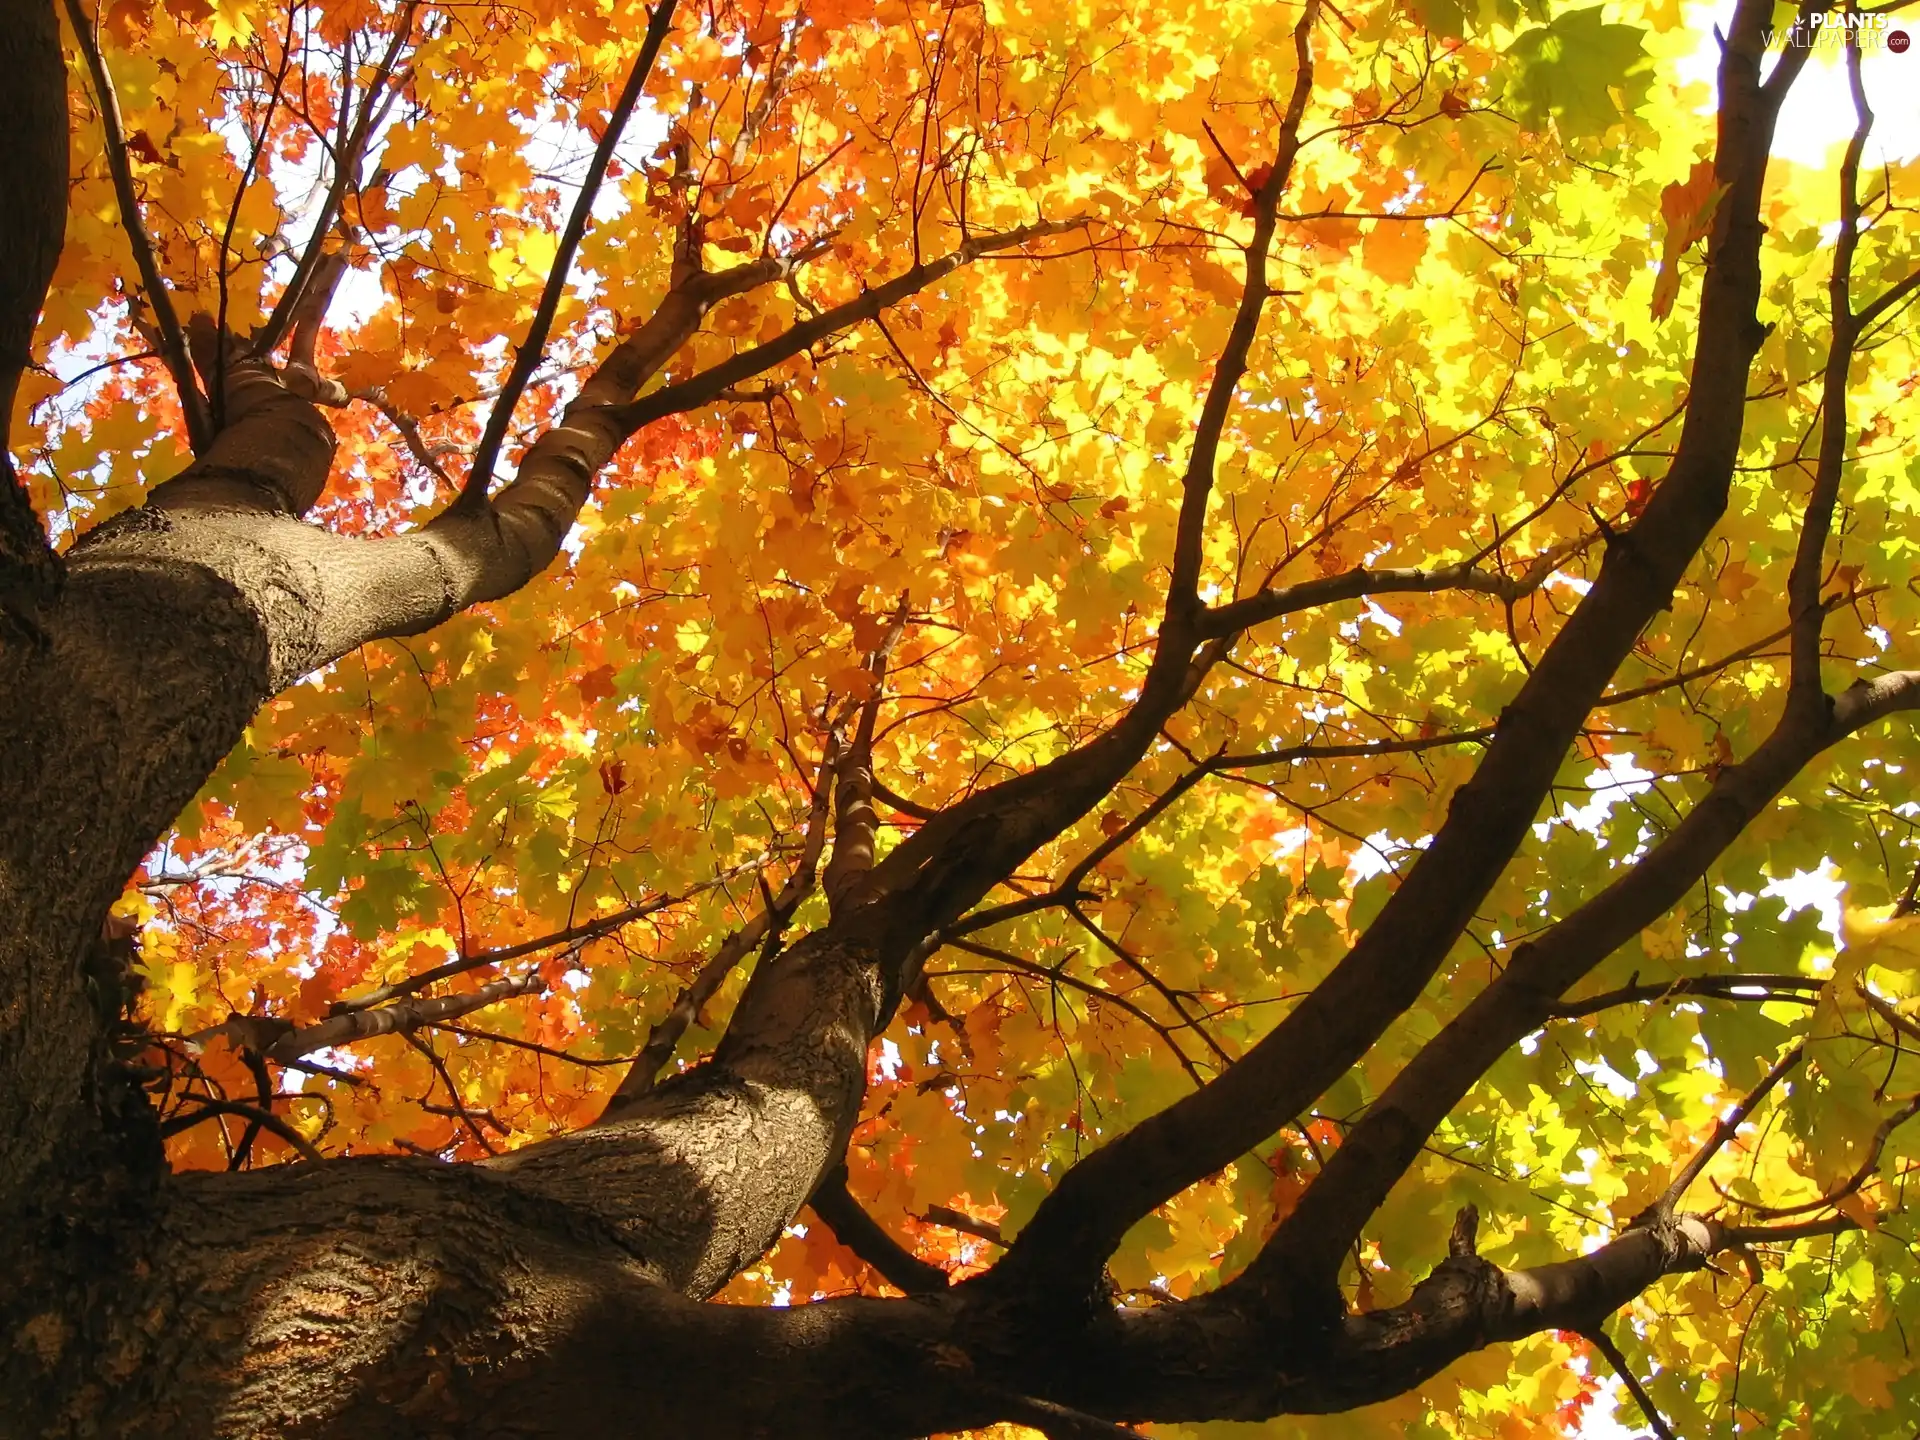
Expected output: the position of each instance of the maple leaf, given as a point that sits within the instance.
(826, 673)
(1568, 69)
(1687, 208)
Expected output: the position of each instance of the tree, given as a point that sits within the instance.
(986, 618)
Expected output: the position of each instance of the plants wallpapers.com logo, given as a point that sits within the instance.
(1838, 30)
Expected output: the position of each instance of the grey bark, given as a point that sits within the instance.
(558, 1290)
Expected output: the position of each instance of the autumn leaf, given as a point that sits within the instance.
(1687, 208)
(775, 665)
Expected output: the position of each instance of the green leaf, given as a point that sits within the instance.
(1568, 70)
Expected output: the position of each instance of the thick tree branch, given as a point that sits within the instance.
(664, 1037)
(322, 595)
(302, 374)
(34, 168)
(400, 1018)
(854, 1228)
(33, 177)
(1213, 1358)
(274, 449)
(1085, 1217)
(1376, 1152)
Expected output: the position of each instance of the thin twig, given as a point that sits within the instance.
(409, 429)
(1727, 1128)
(473, 1032)
(1798, 989)
(1057, 975)
(346, 166)
(173, 340)
(208, 1109)
(528, 356)
(1598, 1338)
(574, 934)
(455, 1109)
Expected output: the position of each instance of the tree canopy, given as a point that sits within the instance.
(1169, 676)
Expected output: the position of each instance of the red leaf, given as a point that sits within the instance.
(613, 776)
(597, 684)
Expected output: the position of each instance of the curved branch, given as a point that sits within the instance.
(854, 1228)
(256, 1116)
(1078, 1225)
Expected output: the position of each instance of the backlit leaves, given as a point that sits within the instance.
(1479, 353)
(1570, 69)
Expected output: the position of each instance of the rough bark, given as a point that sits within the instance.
(556, 1290)
(33, 177)
(398, 1297)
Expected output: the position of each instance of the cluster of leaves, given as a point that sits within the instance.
(1479, 358)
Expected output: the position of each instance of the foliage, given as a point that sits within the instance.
(957, 520)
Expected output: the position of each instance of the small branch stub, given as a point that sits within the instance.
(1462, 1243)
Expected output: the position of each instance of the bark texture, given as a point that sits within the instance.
(558, 1290)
